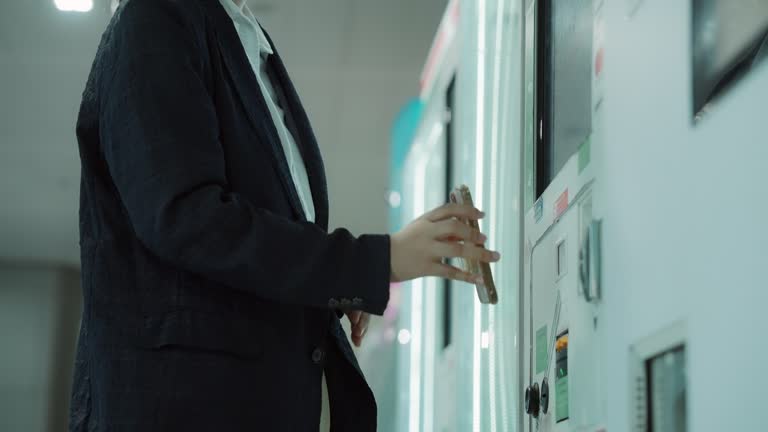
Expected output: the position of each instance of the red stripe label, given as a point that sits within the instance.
(561, 205)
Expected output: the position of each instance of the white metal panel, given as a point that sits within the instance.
(684, 231)
(683, 236)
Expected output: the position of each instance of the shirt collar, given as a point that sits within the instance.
(242, 15)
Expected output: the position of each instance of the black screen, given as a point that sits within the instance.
(564, 84)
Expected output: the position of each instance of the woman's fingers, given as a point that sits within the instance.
(354, 317)
(360, 327)
(436, 235)
(454, 273)
(453, 230)
(466, 251)
(453, 210)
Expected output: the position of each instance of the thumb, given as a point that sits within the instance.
(354, 317)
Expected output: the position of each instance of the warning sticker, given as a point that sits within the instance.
(561, 205)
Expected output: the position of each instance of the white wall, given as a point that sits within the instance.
(39, 313)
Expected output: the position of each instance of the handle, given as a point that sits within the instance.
(589, 262)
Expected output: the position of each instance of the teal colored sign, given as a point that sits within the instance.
(541, 349)
(561, 398)
(538, 209)
(585, 153)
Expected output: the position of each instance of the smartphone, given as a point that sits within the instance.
(486, 291)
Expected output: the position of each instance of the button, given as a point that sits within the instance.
(318, 355)
(532, 400)
(333, 303)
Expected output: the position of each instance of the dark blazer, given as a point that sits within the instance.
(210, 303)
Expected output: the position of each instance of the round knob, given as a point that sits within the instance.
(544, 396)
(532, 400)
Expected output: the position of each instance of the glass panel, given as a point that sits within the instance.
(729, 38)
(530, 108)
(666, 391)
(564, 88)
(571, 79)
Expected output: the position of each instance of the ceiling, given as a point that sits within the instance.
(354, 62)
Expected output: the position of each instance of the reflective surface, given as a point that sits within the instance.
(667, 392)
(729, 37)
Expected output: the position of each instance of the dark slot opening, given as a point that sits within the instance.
(542, 150)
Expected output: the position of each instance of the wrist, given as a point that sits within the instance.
(394, 247)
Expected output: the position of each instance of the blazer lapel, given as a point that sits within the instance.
(310, 151)
(247, 87)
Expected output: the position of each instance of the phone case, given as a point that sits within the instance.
(487, 291)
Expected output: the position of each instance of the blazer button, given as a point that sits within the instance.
(318, 355)
(332, 303)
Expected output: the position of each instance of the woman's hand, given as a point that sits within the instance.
(419, 249)
(359, 321)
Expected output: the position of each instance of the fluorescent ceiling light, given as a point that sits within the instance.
(74, 5)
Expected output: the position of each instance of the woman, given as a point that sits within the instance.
(212, 289)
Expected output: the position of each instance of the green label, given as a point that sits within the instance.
(585, 155)
(538, 209)
(561, 398)
(541, 349)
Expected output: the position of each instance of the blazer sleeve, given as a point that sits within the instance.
(159, 136)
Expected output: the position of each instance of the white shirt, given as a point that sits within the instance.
(257, 49)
